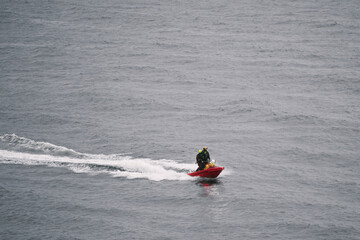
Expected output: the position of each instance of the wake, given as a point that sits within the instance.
(20, 150)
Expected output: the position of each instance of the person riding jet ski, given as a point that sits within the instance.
(202, 158)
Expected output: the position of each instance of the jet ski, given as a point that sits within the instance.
(210, 171)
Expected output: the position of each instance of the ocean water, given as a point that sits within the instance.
(105, 104)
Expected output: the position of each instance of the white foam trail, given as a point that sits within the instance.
(115, 165)
(24, 144)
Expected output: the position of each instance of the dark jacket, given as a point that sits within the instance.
(203, 157)
(206, 155)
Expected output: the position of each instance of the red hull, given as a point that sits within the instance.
(208, 173)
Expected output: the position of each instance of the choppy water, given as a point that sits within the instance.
(104, 105)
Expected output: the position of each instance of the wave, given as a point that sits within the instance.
(117, 165)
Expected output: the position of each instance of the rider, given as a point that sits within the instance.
(202, 158)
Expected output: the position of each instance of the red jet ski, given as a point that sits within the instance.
(211, 172)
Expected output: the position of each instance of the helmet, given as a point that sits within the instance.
(200, 151)
(205, 148)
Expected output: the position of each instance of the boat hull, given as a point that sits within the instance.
(208, 173)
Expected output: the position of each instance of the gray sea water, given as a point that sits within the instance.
(104, 105)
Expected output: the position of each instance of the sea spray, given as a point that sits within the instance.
(29, 152)
(22, 144)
